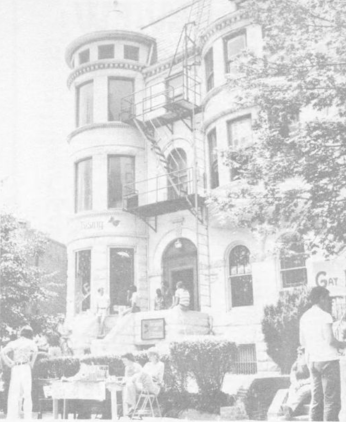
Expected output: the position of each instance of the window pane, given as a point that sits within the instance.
(240, 132)
(175, 87)
(235, 45)
(106, 52)
(240, 276)
(82, 280)
(131, 52)
(84, 56)
(292, 261)
(209, 69)
(117, 90)
(213, 160)
(121, 174)
(85, 104)
(121, 275)
(83, 188)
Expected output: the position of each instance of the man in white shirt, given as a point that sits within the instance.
(321, 348)
(24, 351)
(102, 306)
(181, 297)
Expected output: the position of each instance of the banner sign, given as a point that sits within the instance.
(329, 274)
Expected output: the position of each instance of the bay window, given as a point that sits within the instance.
(121, 176)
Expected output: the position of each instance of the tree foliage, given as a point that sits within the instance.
(280, 326)
(21, 281)
(294, 171)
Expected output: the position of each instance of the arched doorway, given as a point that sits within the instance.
(177, 164)
(179, 263)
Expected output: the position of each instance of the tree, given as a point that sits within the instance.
(280, 326)
(20, 279)
(294, 172)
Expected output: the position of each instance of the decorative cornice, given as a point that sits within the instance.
(222, 23)
(92, 126)
(103, 64)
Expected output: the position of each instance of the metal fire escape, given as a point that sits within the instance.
(153, 111)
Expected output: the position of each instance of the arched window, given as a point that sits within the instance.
(177, 169)
(292, 261)
(240, 276)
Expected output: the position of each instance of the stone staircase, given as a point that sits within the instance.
(275, 411)
(127, 331)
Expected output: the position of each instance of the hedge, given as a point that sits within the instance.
(205, 360)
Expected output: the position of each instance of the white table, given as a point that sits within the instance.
(86, 390)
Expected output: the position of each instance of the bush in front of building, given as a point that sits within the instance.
(280, 326)
(204, 359)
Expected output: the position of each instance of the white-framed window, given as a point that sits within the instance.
(292, 261)
(85, 103)
(233, 45)
(121, 176)
(120, 98)
(83, 185)
(121, 275)
(82, 280)
(131, 52)
(209, 69)
(106, 52)
(84, 56)
(240, 276)
(213, 159)
(239, 132)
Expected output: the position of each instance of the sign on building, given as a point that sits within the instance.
(153, 329)
(329, 274)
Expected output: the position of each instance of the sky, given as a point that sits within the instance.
(36, 107)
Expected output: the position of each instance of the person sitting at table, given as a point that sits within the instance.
(150, 379)
(132, 369)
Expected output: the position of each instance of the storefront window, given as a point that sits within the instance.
(82, 280)
(121, 274)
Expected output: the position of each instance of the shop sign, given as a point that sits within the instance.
(153, 329)
(330, 274)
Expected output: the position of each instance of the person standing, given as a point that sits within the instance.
(102, 306)
(321, 348)
(24, 351)
(181, 297)
(159, 303)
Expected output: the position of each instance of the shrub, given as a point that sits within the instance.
(280, 326)
(204, 359)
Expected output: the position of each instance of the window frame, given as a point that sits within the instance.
(128, 47)
(214, 177)
(237, 276)
(226, 39)
(133, 159)
(209, 69)
(79, 307)
(293, 269)
(118, 78)
(76, 196)
(105, 46)
(81, 53)
(239, 147)
(78, 88)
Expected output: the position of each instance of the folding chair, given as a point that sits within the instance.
(145, 406)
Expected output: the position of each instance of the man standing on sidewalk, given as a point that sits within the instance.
(24, 351)
(321, 348)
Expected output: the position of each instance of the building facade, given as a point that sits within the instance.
(153, 114)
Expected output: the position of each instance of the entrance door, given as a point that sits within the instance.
(187, 276)
(179, 263)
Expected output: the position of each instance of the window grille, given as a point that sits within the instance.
(245, 359)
